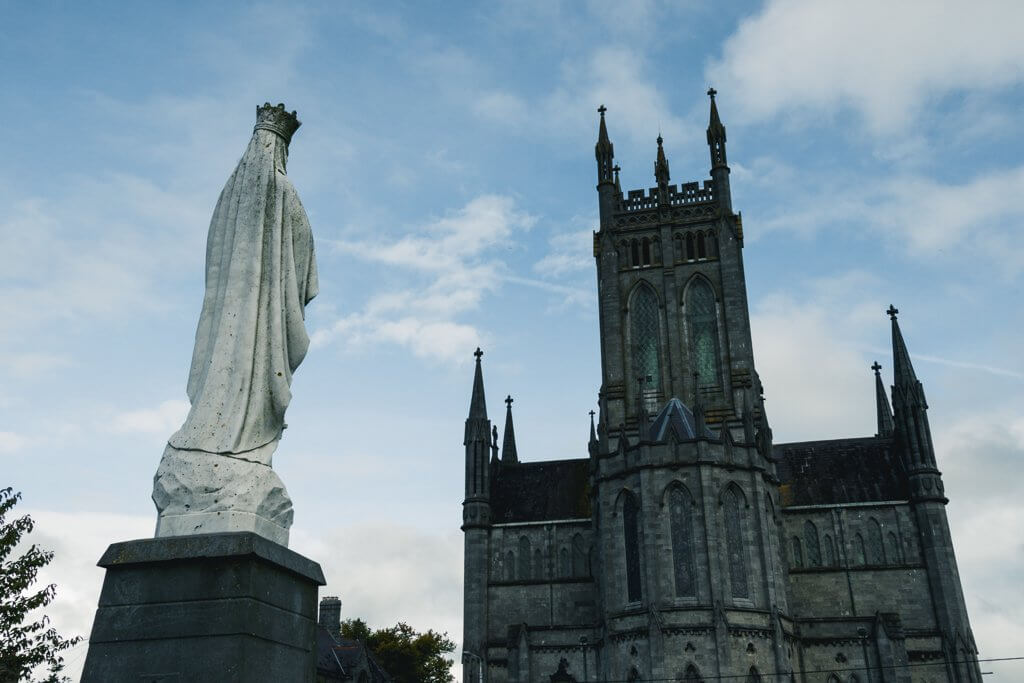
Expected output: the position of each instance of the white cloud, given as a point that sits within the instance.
(569, 253)
(453, 261)
(78, 540)
(928, 219)
(885, 60)
(165, 419)
(32, 364)
(12, 442)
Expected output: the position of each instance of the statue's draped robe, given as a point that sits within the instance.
(260, 274)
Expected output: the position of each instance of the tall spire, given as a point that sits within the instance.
(661, 166)
(902, 368)
(885, 423)
(719, 162)
(604, 151)
(910, 409)
(477, 403)
(508, 446)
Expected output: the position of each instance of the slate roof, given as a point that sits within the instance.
(338, 659)
(839, 471)
(537, 491)
(675, 417)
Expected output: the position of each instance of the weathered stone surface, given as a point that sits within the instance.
(202, 493)
(215, 474)
(211, 607)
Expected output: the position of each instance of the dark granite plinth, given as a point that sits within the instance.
(211, 607)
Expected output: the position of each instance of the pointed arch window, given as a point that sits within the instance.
(712, 245)
(646, 246)
(702, 251)
(681, 526)
(753, 676)
(579, 556)
(677, 247)
(876, 554)
(830, 552)
(634, 250)
(644, 318)
(691, 253)
(895, 556)
(692, 675)
(732, 508)
(811, 541)
(631, 539)
(702, 317)
(858, 550)
(798, 553)
(523, 570)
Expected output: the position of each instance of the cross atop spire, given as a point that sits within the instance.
(601, 110)
(604, 150)
(876, 367)
(712, 92)
(892, 311)
(508, 446)
(478, 354)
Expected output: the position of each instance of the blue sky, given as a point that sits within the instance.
(446, 163)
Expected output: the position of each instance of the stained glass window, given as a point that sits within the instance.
(681, 522)
(644, 319)
(895, 556)
(811, 541)
(579, 556)
(858, 550)
(703, 322)
(876, 555)
(523, 572)
(830, 552)
(631, 533)
(734, 543)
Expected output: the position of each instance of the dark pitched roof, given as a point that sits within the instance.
(339, 659)
(839, 471)
(675, 417)
(536, 491)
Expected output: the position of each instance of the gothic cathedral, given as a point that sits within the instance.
(688, 546)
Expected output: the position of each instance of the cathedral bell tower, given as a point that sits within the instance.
(672, 295)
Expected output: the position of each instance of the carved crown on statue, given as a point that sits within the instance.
(277, 120)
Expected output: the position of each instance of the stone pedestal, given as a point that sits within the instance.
(210, 607)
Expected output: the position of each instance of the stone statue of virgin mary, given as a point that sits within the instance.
(215, 474)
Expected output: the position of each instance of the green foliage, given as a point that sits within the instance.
(25, 646)
(407, 656)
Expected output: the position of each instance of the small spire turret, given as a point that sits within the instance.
(508, 446)
(661, 172)
(592, 445)
(477, 403)
(885, 423)
(478, 440)
(604, 151)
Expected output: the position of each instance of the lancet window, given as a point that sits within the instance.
(811, 541)
(876, 554)
(895, 556)
(631, 538)
(830, 552)
(579, 556)
(523, 571)
(859, 558)
(798, 553)
(732, 506)
(681, 522)
(645, 326)
(702, 318)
